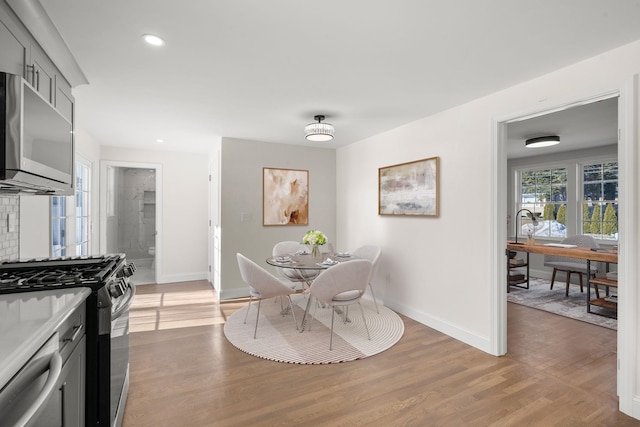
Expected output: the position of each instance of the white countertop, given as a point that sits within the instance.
(27, 320)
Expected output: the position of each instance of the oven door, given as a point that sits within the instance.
(120, 353)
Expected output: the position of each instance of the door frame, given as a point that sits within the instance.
(104, 165)
(628, 250)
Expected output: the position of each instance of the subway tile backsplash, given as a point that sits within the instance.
(9, 227)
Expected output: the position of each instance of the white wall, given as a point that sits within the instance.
(184, 189)
(241, 192)
(426, 270)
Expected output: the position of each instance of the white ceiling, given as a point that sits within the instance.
(260, 70)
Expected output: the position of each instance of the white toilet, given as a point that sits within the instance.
(152, 252)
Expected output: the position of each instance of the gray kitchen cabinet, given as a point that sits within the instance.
(41, 72)
(64, 101)
(21, 54)
(14, 44)
(71, 387)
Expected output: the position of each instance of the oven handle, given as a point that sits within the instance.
(55, 368)
(124, 307)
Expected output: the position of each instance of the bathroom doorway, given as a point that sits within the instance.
(130, 218)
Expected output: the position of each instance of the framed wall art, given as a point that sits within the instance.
(409, 189)
(285, 196)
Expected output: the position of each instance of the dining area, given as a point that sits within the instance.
(309, 320)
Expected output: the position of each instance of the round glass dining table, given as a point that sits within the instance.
(305, 268)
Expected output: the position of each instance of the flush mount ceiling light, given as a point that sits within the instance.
(153, 40)
(542, 141)
(318, 132)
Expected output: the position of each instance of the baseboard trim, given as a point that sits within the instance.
(182, 277)
(450, 329)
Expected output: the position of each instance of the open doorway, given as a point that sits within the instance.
(627, 326)
(130, 217)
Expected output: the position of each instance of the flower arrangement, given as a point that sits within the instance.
(314, 238)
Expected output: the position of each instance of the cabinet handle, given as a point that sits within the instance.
(37, 79)
(76, 332)
(31, 69)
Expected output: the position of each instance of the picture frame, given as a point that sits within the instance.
(285, 197)
(410, 189)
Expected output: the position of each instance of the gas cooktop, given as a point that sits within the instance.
(56, 273)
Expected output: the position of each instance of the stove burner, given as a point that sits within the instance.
(34, 275)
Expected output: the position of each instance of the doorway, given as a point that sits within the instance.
(130, 217)
(627, 324)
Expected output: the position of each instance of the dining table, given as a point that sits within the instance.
(307, 267)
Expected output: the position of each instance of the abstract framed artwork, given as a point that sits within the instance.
(410, 189)
(285, 196)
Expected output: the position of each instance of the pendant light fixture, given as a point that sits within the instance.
(318, 132)
(542, 141)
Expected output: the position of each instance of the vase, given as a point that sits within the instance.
(315, 251)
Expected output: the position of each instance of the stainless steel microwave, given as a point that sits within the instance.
(36, 141)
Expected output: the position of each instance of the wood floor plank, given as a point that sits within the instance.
(558, 372)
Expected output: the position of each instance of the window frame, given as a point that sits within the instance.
(582, 201)
(575, 191)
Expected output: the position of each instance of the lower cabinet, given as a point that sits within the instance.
(71, 387)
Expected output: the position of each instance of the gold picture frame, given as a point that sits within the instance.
(285, 196)
(410, 189)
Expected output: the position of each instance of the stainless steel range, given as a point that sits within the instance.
(107, 329)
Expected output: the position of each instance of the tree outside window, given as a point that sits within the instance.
(544, 192)
(600, 204)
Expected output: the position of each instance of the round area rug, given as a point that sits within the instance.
(278, 339)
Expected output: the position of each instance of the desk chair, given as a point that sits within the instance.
(573, 265)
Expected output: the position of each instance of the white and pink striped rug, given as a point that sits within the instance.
(278, 339)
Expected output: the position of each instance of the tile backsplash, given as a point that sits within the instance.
(9, 227)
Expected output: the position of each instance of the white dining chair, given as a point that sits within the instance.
(343, 285)
(263, 285)
(301, 276)
(372, 253)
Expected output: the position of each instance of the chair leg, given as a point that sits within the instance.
(553, 277)
(566, 292)
(333, 312)
(374, 298)
(365, 321)
(248, 308)
(581, 286)
(292, 312)
(255, 331)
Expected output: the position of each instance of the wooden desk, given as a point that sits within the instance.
(578, 253)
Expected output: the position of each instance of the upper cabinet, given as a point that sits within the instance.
(14, 44)
(20, 54)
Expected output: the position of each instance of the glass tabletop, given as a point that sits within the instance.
(308, 262)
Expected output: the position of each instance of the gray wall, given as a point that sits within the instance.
(241, 193)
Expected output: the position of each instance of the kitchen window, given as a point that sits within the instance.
(71, 216)
(82, 212)
(59, 226)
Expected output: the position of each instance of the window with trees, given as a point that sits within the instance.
(543, 192)
(600, 200)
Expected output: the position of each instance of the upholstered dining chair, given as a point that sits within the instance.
(288, 247)
(343, 285)
(372, 253)
(573, 265)
(263, 285)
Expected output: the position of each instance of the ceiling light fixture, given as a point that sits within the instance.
(542, 141)
(318, 132)
(153, 40)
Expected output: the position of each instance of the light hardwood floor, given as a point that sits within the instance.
(558, 372)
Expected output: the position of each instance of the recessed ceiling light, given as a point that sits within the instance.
(153, 40)
(160, 140)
